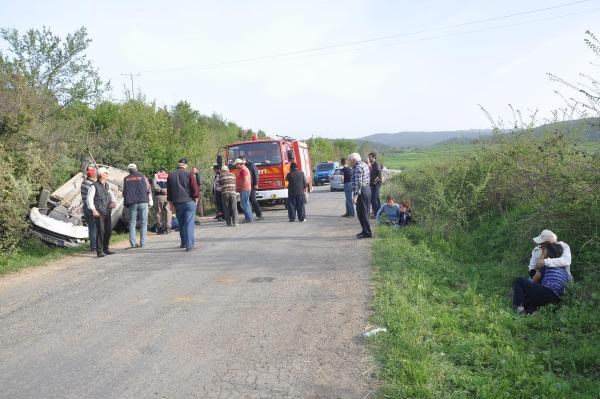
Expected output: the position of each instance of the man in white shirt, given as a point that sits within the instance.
(100, 200)
(548, 237)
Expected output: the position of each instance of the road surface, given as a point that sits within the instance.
(271, 309)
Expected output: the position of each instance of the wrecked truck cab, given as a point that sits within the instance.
(58, 219)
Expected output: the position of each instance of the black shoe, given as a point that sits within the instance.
(100, 255)
(109, 252)
(182, 246)
(259, 218)
(362, 233)
(350, 216)
(364, 236)
(345, 215)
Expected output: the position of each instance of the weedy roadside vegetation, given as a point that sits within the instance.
(443, 286)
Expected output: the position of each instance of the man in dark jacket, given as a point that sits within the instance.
(254, 186)
(375, 184)
(89, 218)
(296, 185)
(136, 192)
(182, 194)
(100, 200)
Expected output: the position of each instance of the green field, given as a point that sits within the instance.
(420, 157)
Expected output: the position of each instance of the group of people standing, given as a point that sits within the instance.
(176, 192)
(226, 185)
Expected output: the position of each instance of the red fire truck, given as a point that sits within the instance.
(273, 159)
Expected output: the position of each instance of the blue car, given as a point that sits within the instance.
(324, 172)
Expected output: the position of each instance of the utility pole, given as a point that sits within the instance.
(131, 75)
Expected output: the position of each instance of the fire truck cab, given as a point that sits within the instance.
(272, 159)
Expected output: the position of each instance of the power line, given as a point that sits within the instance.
(370, 40)
(131, 75)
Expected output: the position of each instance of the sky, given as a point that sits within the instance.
(335, 69)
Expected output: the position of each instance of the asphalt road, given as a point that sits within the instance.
(271, 309)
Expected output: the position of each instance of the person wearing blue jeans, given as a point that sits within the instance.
(136, 195)
(182, 194)
(245, 204)
(185, 213)
(347, 176)
(138, 211)
(91, 225)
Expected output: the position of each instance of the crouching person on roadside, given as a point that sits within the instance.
(390, 211)
(547, 284)
(404, 218)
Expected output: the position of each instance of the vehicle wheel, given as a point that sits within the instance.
(43, 201)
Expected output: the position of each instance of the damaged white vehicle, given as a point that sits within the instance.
(58, 219)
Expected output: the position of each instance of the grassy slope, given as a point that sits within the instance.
(451, 331)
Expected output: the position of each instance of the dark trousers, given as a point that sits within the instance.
(230, 211)
(530, 295)
(295, 205)
(103, 232)
(375, 201)
(219, 203)
(362, 209)
(254, 203)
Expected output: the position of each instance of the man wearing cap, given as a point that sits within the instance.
(100, 201)
(163, 211)
(254, 177)
(89, 218)
(227, 182)
(537, 261)
(295, 201)
(361, 193)
(243, 186)
(136, 193)
(182, 194)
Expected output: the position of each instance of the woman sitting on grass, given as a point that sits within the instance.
(546, 286)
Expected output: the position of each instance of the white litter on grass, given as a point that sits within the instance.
(374, 331)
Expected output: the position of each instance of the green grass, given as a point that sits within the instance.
(418, 158)
(33, 253)
(451, 330)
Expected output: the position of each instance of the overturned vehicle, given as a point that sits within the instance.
(58, 219)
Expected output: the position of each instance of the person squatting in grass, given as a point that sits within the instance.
(547, 283)
(548, 237)
(404, 219)
(390, 210)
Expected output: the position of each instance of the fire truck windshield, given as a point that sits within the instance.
(260, 153)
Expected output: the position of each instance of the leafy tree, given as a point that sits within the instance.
(55, 66)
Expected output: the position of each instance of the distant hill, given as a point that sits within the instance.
(423, 139)
(589, 129)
